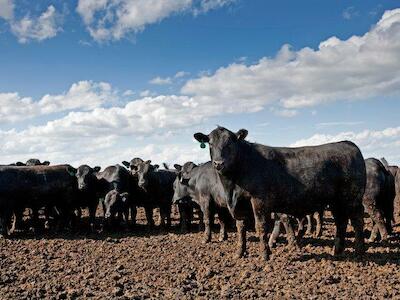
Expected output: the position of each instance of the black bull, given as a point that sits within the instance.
(35, 187)
(296, 181)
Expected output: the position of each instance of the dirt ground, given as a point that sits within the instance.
(170, 265)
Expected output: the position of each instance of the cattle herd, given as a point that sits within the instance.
(253, 185)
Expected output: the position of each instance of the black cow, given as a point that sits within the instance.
(91, 189)
(199, 183)
(296, 181)
(378, 198)
(121, 180)
(158, 185)
(35, 187)
(394, 170)
(202, 184)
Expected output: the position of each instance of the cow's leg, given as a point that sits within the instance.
(341, 221)
(388, 224)
(309, 225)
(18, 216)
(208, 218)
(149, 216)
(374, 232)
(133, 214)
(92, 216)
(377, 218)
(201, 219)
(5, 219)
(241, 241)
(260, 217)
(318, 216)
(301, 228)
(357, 221)
(167, 210)
(287, 224)
(223, 220)
(275, 233)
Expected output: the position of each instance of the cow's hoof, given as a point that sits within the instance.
(206, 241)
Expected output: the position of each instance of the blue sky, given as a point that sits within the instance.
(101, 81)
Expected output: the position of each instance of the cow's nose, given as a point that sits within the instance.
(218, 164)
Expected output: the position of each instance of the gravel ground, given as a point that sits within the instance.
(168, 265)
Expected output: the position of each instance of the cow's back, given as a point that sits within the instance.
(301, 180)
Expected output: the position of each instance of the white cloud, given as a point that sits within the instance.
(83, 95)
(115, 19)
(161, 81)
(181, 74)
(349, 13)
(46, 26)
(6, 9)
(376, 143)
(360, 67)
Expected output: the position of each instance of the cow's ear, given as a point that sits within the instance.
(148, 161)
(96, 169)
(155, 167)
(191, 166)
(126, 164)
(241, 134)
(201, 137)
(46, 163)
(178, 167)
(71, 171)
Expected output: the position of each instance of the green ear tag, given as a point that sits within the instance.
(202, 145)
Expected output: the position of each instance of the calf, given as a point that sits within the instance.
(296, 181)
(378, 198)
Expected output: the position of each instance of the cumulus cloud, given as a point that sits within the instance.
(6, 9)
(40, 28)
(83, 95)
(373, 143)
(115, 19)
(360, 67)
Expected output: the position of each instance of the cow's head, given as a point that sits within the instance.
(181, 193)
(133, 165)
(144, 170)
(36, 162)
(224, 147)
(86, 176)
